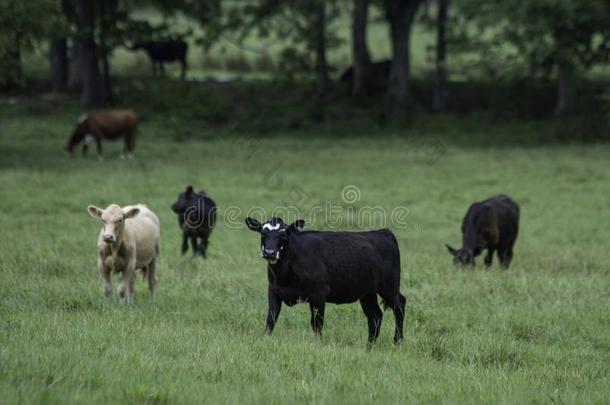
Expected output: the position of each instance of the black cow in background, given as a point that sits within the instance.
(492, 224)
(160, 52)
(335, 267)
(376, 77)
(196, 217)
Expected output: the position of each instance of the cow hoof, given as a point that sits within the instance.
(122, 156)
(129, 156)
(100, 158)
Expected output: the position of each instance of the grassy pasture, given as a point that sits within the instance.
(539, 332)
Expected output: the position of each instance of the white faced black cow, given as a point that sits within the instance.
(335, 267)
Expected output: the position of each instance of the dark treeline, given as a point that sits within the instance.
(558, 40)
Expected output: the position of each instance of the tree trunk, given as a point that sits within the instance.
(360, 53)
(107, 10)
(400, 15)
(441, 92)
(107, 96)
(76, 66)
(320, 48)
(58, 60)
(319, 25)
(565, 88)
(13, 61)
(92, 86)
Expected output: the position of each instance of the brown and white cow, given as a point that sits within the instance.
(109, 125)
(129, 240)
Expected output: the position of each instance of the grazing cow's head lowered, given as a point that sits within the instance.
(274, 236)
(113, 218)
(461, 257)
(78, 135)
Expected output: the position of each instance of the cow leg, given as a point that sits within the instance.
(162, 69)
(126, 288)
(98, 142)
(317, 317)
(183, 73)
(201, 247)
(85, 147)
(130, 143)
(204, 244)
(399, 316)
(373, 315)
(152, 280)
(194, 245)
(105, 273)
(489, 257)
(275, 305)
(185, 243)
(506, 256)
(123, 154)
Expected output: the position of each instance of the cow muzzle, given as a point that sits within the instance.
(109, 238)
(271, 255)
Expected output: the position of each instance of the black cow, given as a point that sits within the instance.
(165, 51)
(492, 224)
(196, 217)
(376, 76)
(335, 267)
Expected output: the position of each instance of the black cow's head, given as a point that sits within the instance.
(274, 236)
(462, 257)
(185, 200)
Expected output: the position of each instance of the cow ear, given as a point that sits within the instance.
(253, 224)
(295, 226)
(189, 190)
(451, 250)
(94, 211)
(131, 213)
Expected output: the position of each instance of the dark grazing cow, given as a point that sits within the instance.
(196, 217)
(160, 52)
(492, 224)
(111, 125)
(375, 77)
(335, 267)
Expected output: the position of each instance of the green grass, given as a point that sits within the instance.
(538, 333)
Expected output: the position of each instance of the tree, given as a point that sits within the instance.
(441, 91)
(99, 26)
(23, 24)
(360, 52)
(305, 28)
(58, 62)
(555, 38)
(319, 18)
(92, 83)
(400, 15)
(58, 51)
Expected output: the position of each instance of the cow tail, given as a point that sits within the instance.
(395, 265)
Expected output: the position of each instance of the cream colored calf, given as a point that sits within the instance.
(128, 240)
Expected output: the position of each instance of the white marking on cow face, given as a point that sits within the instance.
(273, 239)
(82, 118)
(89, 138)
(271, 227)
